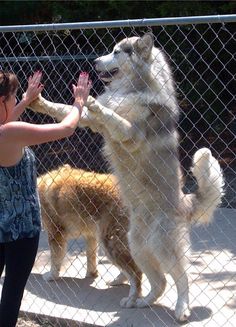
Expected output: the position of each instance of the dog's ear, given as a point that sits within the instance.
(143, 45)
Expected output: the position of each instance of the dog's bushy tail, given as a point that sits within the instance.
(202, 204)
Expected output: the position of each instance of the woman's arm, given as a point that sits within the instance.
(24, 133)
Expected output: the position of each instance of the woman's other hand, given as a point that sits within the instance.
(81, 90)
(34, 88)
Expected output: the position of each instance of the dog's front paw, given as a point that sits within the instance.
(40, 104)
(93, 105)
(90, 101)
(36, 104)
(128, 302)
(49, 276)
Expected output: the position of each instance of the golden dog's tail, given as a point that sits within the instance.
(202, 204)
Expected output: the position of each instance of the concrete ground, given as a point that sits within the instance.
(212, 280)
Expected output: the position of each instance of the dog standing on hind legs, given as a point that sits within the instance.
(137, 116)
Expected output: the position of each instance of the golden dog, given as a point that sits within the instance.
(78, 203)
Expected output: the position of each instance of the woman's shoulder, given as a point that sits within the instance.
(16, 134)
(8, 130)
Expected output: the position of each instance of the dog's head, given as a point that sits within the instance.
(125, 55)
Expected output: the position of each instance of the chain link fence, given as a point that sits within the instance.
(201, 53)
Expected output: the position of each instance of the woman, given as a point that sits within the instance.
(19, 202)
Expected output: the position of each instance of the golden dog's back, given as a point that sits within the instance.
(74, 199)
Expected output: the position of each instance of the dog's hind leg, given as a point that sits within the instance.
(57, 245)
(179, 275)
(150, 266)
(156, 279)
(135, 280)
(91, 252)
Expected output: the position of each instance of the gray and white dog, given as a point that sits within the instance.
(137, 116)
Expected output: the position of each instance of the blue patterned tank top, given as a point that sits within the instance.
(19, 200)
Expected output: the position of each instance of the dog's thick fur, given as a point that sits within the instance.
(78, 203)
(137, 115)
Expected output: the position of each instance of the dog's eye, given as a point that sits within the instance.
(129, 51)
(116, 52)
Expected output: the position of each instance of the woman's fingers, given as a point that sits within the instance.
(35, 86)
(83, 83)
(83, 79)
(35, 79)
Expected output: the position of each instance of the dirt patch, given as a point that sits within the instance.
(37, 320)
(27, 322)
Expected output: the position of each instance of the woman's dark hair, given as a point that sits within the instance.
(8, 83)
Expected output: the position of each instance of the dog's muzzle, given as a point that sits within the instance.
(107, 74)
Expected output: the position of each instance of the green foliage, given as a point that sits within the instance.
(31, 12)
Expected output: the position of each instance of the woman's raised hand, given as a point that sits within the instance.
(34, 88)
(81, 90)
